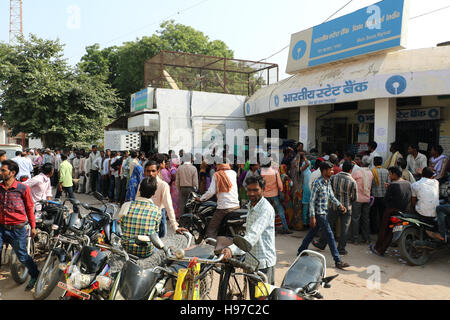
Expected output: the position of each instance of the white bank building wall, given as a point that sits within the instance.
(189, 120)
(375, 82)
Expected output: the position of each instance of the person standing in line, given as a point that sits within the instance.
(56, 163)
(37, 162)
(16, 211)
(88, 168)
(162, 199)
(335, 161)
(393, 158)
(416, 161)
(25, 165)
(378, 191)
(397, 198)
(186, 180)
(272, 190)
(83, 179)
(65, 180)
(361, 208)
(76, 163)
(94, 168)
(321, 194)
(406, 174)
(134, 161)
(438, 162)
(40, 185)
(106, 173)
(345, 190)
(124, 176)
(173, 187)
(373, 153)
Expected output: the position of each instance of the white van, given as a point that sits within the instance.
(11, 149)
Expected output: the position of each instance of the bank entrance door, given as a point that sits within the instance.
(417, 132)
(149, 141)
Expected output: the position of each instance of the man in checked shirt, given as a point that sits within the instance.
(321, 193)
(260, 232)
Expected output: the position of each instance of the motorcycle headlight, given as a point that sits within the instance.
(115, 240)
(80, 280)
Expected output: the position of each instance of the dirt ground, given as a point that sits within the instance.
(398, 281)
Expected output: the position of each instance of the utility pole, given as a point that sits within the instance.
(15, 20)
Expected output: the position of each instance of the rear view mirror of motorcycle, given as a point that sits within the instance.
(326, 281)
(154, 238)
(242, 243)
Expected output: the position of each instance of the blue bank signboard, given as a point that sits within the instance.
(374, 28)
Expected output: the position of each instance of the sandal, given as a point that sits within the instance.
(372, 248)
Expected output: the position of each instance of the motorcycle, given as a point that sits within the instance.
(87, 275)
(49, 221)
(98, 224)
(410, 235)
(301, 282)
(200, 215)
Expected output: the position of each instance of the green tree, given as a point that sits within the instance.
(126, 63)
(43, 96)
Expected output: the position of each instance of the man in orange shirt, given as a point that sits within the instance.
(271, 192)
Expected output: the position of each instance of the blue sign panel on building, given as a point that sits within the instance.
(375, 28)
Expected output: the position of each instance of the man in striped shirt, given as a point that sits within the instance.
(321, 193)
(345, 190)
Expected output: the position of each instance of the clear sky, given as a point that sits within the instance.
(253, 29)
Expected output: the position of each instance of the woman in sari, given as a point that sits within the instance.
(173, 186)
(164, 173)
(136, 177)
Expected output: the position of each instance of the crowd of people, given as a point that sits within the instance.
(345, 199)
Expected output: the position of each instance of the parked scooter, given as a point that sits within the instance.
(410, 234)
(200, 215)
(301, 282)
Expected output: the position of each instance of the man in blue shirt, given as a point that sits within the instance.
(321, 193)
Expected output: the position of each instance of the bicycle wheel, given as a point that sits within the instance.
(205, 286)
(232, 286)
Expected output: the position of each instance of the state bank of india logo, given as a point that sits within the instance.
(299, 50)
(277, 101)
(396, 85)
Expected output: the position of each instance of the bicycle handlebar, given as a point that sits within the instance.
(188, 259)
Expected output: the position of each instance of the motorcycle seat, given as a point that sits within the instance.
(208, 204)
(305, 270)
(235, 216)
(419, 217)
